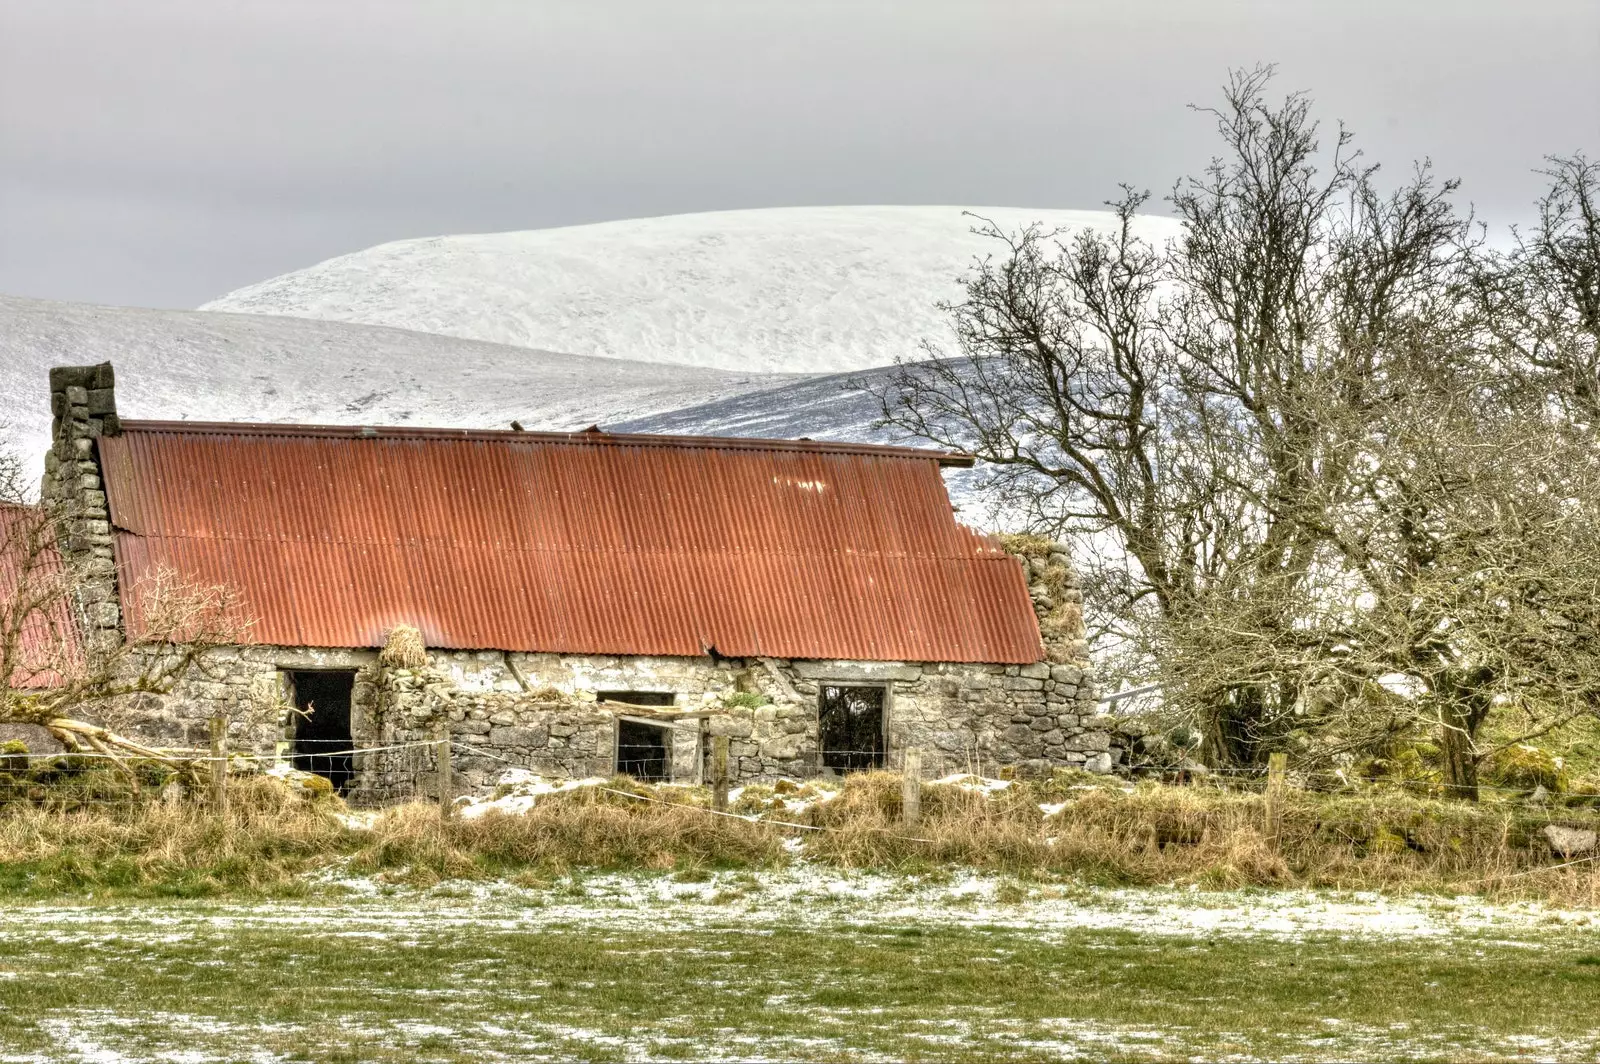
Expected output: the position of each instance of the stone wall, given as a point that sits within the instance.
(83, 407)
(540, 711)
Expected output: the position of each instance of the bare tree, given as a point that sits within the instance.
(1540, 302)
(1160, 405)
(47, 675)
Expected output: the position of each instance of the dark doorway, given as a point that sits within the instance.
(850, 728)
(644, 751)
(322, 733)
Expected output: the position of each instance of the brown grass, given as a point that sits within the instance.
(95, 838)
(1159, 834)
(582, 828)
(145, 846)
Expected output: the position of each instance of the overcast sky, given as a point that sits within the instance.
(163, 152)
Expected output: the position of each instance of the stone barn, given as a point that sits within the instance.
(589, 602)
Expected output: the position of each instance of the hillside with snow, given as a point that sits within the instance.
(240, 367)
(800, 290)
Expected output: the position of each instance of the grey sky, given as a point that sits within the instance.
(165, 151)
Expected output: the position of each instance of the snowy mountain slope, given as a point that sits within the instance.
(225, 367)
(839, 406)
(804, 289)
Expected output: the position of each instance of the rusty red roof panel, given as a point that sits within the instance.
(569, 542)
(35, 601)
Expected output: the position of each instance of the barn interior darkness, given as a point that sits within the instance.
(322, 739)
(851, 723)
(644, 750)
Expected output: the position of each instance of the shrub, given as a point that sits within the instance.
(1526, 767)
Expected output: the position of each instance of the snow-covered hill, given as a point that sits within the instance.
(805, 289)
(228, 367)
(839, 406)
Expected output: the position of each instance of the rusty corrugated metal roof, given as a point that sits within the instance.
(35, 598)
(569, 542)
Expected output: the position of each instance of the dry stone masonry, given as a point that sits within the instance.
(83, 407)
(546, 711)
(542, 711)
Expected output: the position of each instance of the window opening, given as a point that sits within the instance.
(322, 727)
(639, 698)
(850, 726)
(644, 751)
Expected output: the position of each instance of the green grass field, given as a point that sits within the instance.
(638, 967)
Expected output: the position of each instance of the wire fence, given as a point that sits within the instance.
(412, 770)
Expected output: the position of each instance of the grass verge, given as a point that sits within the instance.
(1152, 834)
(371, 981)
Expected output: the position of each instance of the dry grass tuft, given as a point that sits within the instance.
(403, 649)
(1158, 834)
(582, 828)
(94, 832)
(268, 839)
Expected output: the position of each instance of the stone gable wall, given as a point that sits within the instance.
(83, 408)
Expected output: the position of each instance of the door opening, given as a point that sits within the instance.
(644, 751)
(850, 727)
(322, 728)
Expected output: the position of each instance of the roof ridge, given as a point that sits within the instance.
(587, 438)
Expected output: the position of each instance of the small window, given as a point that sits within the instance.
(850, 729)
(644, 751)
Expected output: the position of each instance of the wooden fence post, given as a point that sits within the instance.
(443, 765)
(1277, 779)
(911, 788)
(719, 773)
(219, 765)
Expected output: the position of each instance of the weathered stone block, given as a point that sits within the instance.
(518, 736)
(857, 671)
(101, 401)
(1039, 670)
(785, 748)
(1067, 674)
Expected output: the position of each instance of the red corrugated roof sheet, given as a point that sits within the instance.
(575, 543)
(34, 597)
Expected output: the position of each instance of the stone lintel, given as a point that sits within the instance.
(868, 671)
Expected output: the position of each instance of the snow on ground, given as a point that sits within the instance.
(239, 367)
(761, 902)
(803, 289)
(807, 894)
(517, 791)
